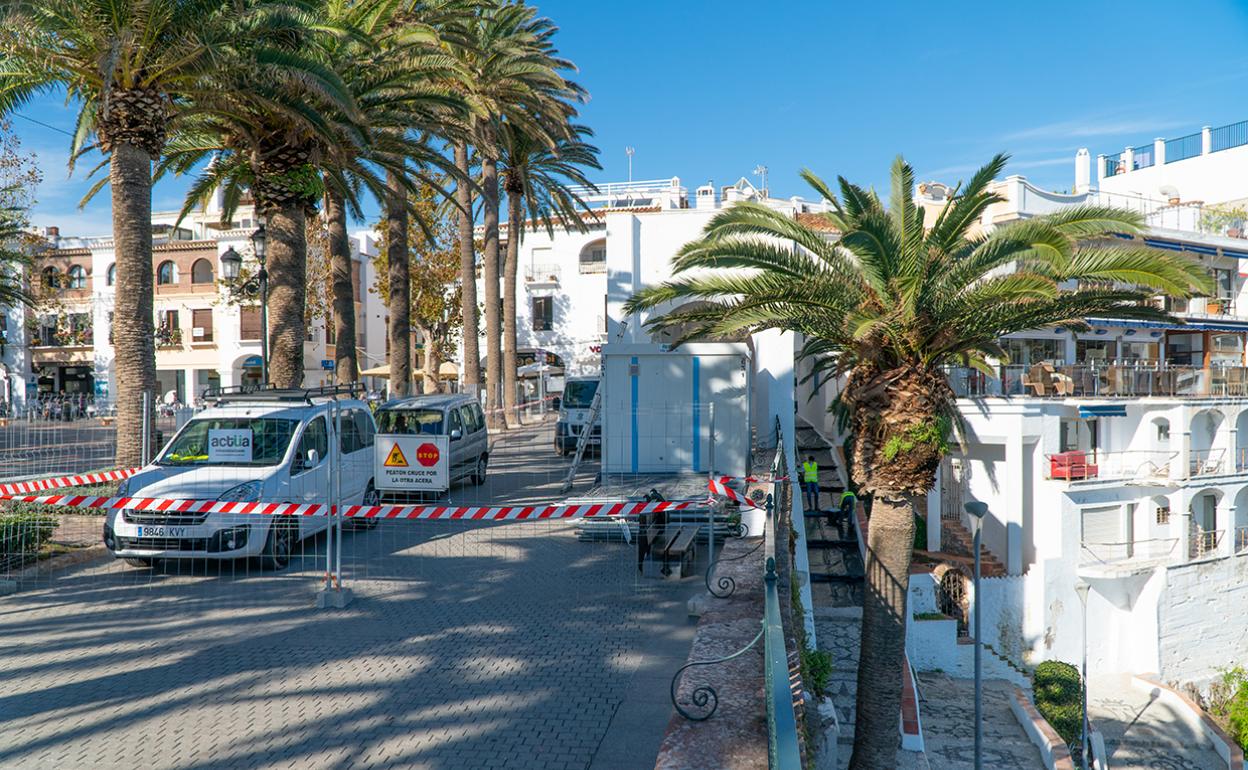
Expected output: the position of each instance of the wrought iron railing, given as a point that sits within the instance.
(1226, 137)
(1204, 542)
(1183, 147)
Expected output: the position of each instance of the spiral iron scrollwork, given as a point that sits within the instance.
(725, 583)
(703, 698)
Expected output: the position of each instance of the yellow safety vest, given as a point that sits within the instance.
(810, 471)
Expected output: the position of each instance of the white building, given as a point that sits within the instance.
(203, 338)
(1118, 456)
(571, 286)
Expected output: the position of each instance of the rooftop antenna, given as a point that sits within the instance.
(629, 152)
(761, 171)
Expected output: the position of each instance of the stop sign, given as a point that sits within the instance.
(427, 455)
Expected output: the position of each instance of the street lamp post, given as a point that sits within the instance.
(1081, 588)
(231, 267)
(978, 510)
(258, 242)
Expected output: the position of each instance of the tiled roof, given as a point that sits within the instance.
(816, 221)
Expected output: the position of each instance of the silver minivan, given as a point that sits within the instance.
(456, 416)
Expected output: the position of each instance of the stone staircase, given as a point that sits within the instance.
(957, 544)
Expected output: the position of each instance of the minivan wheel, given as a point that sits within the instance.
(135, 561)
(478, 475)
(371, 497)
(278, 547)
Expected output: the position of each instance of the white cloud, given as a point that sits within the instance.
(1093, 127)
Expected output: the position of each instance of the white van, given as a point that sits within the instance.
(270, 446)
(578, 395)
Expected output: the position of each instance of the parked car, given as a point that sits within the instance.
(578, 395)
(291, 445)
(456, 416)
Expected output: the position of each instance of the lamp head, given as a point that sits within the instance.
(978, 510)
(231, 264)
(259, 241)
(1082, 587)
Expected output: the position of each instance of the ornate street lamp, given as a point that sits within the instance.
(231, 264)
(231, 268)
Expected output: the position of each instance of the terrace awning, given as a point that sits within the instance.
(1211, 326)
(1103, 410)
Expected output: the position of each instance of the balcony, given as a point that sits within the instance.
(1100, 381)
(1127, 556)
(168, 338)
(1129, 465)
(538, 275)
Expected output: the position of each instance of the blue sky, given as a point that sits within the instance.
(709, 90)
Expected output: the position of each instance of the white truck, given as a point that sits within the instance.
(578, 395)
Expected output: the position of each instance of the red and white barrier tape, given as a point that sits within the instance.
(26, 487)
(471, 513)
(720, 487)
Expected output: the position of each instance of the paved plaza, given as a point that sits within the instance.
(467, 646)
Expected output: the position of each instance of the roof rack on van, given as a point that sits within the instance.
(272, 393)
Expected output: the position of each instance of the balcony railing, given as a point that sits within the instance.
(542, 274)
(1204, 543)
(1100, 380)
(1113, 164)
(1079, 465)
(1127, 552)
(1241, 539)
(1183, 147)
(1142, 156)
(1226, 137)
(1207, 462)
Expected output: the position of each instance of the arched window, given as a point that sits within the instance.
(77, 277)
(51, 278)
(201, 271)
(111, 276)
(594, 257)
(166, 274)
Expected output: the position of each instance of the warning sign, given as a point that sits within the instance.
(396, 459)
(406, 463)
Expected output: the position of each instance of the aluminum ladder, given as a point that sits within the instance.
(582, 441)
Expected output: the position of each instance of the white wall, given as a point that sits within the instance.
(1213, 178)
(1203, 627)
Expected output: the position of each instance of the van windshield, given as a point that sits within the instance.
(408, 421)
(578, 394)
(231, 441)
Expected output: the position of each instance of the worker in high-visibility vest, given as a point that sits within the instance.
(845, 512)
(810, 483)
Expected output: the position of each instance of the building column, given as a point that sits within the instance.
(1100, 169)
(1206, 140)
(1182, 462)
(1159, 152)
(1012, 516)
(191, 393)
(1180, 524)
(1224, 520)
(1128, 160)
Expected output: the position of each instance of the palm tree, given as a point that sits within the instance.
(509, 72)
(395, 72)
(538, 180)
(889, 304)
(265, 125)
(131, 67)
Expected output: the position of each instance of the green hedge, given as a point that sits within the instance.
(23, 534)
(1059, 698)
(1228, 703)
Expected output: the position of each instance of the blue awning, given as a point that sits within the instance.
(1235, 254)
(1108, 410)
(1197, 248)
(1206, 326)
(251, 361)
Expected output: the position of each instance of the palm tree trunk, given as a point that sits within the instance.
(346, 368)
(134, 335)
(287, 266)
(397, 258)
(510, 338)
(489, 274)
(471, 372)
(430, 361)
(890, 541)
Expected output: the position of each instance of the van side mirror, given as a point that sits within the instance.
(308, 460)
(456, 434)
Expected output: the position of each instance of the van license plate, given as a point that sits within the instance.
(162, 531)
